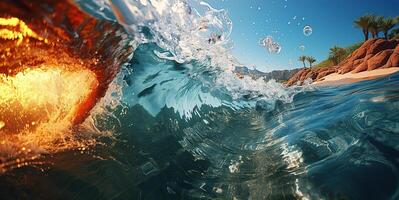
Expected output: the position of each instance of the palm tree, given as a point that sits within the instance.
(387, 25)
(363, 22)
(380, 22)
(302, 59)
(336, 54)
(375, 25)
(394, 34)
(310, 60)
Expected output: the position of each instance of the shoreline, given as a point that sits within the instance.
(336, 79)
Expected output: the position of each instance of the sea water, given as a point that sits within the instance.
(176, 123)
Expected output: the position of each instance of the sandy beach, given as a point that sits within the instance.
(339, 79)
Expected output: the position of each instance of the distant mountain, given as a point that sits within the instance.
(278, 75)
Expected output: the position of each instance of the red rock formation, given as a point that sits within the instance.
(298, 77)
(324, 72)
(373, 54)
(379, 60)
(393, 59)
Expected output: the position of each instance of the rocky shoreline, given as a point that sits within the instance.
(372, 54)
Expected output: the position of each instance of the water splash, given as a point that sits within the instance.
(195, 36)
(35, 121)
(177, 27)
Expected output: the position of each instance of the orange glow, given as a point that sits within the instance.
(40, 103)
(43, 100)
(37, 108)
(53, 93)
(22, 30)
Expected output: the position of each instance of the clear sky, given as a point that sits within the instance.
(331, 21)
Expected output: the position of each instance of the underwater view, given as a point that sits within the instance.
(192, 99)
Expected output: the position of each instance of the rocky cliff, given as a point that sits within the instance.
(373, 54)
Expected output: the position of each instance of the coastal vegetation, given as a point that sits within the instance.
(380, 34)
(302, 59)
(379, 31)
(371, 25)
(374, 25)
(376, 57)
(309, 59)
(337, 54)
(394, 34)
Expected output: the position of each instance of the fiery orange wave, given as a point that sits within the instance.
(39, 103)
(54, 67)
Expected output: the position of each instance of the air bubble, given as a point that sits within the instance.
(307, 30)
(270, 45)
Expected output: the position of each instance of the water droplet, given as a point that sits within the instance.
(270, 45)
(2, 124)
(218, 190)
(307, 30)
(302, 47)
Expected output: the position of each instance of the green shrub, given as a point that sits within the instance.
(348, 51)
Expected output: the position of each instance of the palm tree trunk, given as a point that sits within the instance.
(386, 35)
(366, 34)
(304, 64)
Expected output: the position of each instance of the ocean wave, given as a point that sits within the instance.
(192, 39)
(176, 123)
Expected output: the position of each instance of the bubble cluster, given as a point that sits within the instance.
(307, 30)
(270, 45)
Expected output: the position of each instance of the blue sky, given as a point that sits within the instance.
(331, 21)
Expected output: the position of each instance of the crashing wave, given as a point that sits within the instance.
(196, 37)
(176, 27)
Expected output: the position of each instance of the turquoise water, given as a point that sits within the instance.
(177, 124)
(331, 142)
